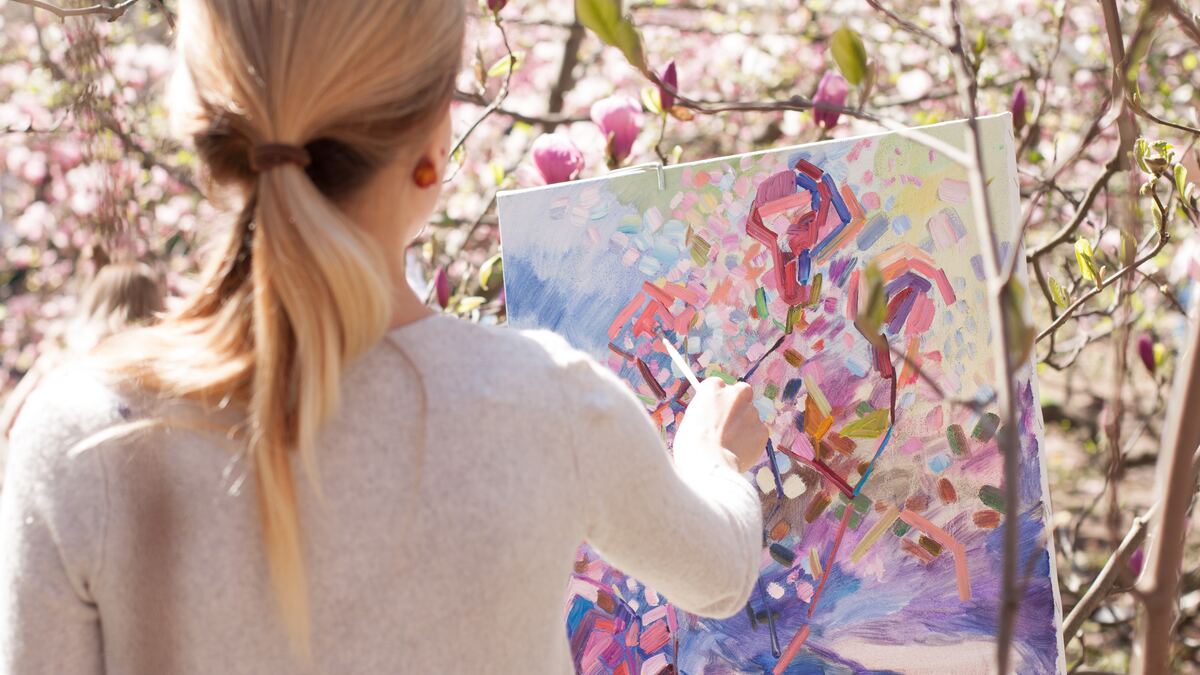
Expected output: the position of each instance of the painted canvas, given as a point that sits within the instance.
(882, 500)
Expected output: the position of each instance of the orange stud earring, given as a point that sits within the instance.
(425, 174)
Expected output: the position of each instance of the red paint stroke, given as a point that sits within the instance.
(828, 564)
(852, 296)
(793, 648)
(624, 316)
(809, 169)
(823, 469)
(796, 201)
(656, 293)
(684, 321)
(948, 542)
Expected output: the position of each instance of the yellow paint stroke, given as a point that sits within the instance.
(875, 533)
(814, 563)
(818, 397)
(871, 425)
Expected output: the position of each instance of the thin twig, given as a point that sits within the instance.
(500, 96)
(906, 25)
(1163, 238)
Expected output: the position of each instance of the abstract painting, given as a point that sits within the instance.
(882, 498)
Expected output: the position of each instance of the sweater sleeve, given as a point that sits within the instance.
(51, 519)
(691, 529)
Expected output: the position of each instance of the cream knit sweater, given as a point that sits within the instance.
(463, 469)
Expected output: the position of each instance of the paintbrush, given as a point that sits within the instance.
(681, 363)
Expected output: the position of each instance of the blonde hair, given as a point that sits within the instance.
(296, 290)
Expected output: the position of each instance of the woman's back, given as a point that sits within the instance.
(464, 466)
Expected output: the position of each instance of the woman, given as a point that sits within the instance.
(415, 486)
(121, 295)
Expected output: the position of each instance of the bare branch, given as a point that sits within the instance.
(998, 294)
(111, 12)
(1081, 213)
(1158, 587)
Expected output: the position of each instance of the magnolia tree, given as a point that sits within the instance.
(1103, 97)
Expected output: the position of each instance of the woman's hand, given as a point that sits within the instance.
(721, 419)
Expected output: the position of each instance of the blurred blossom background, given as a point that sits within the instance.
(90, 175)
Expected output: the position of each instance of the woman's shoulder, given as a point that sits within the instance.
(530, 364)
(70, 402)
(478, 345)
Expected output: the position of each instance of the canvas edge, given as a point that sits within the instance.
(1014, 206)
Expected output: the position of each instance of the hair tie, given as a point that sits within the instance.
(270, 155)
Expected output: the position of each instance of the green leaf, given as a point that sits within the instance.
(1058, 294)
(491, 272)
(497, 173)
(1189, 61)
(980, 44)
(606, 19)
(849, 55)
(1087, 261)
(1141, 148)
(507, 63)
(1181, 178)
(873, 311)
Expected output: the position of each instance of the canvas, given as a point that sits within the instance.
(882, 501)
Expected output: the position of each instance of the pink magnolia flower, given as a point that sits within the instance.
(1018, 107)
(557, 159)
(831, 91)
(441, 286)
(1145, 350)
(620, 120)
(1137, 561)
(670, 78)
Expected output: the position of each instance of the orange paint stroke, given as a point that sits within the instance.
(903, 257)
(722, 290)
(961, 573)
(793, 648)
(851, 202)
(908, 374)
